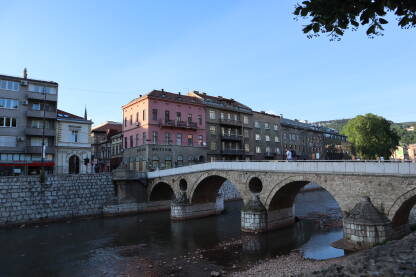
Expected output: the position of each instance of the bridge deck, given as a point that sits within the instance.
(332, 167)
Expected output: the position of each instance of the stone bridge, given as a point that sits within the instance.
(375, 197)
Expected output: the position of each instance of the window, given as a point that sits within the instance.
(131, 119)
(179, 160)
(9, 85)
(178, 116)
(37, 141)
(37, 123)
(7, 141)
(167, 139)
(229, 116)
(125, 143)
(178, 139)
(131, 141)
(190, 140)
(275, 127)
(258, 137)
(258, 149)
(235, 117)
(36, 106)
(276, 139)
(213, 146)
(267, 138)
(212, 130)
(144, 115)
(137, 139)
(189, 117)
(246, 133)
(247, 147)
(256, 124)
(211, 114)
(200, 140)
(267, 149)
(42, 89)
(199, 119)
(74, 135)
(7, 122)
(144, 138)
(167, 116)
(277, 150)
(154, 137)
(137, 117)
(245, 118)
(266, 126)
(8, 103)
(222, 115)
(154, 114)
(125, 122)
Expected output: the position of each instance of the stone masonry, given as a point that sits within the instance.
(24, 199)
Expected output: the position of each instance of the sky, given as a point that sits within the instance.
(105, 53)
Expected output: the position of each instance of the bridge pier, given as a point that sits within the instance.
(182, 209)
(254, 216)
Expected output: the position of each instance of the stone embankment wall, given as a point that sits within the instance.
(24, 199)
(229, 192)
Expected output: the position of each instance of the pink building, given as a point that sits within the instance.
(174, 121)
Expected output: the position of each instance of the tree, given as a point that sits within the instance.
(371, 136)
(335, 16)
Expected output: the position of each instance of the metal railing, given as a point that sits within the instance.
(311, 166)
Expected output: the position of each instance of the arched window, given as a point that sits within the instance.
(74, 164)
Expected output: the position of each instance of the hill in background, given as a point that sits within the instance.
(407, 137)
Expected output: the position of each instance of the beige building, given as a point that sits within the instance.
(73, 146)
(400, 153)
(411, 149)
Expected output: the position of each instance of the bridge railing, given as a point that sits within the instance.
(316, 166)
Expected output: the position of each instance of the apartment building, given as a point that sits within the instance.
(102, 145)
(229, 128)
(267, 137)
(162, 130)
(27, 124)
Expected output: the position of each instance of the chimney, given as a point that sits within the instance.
(162, 89)
(25, 73)
(179, 93)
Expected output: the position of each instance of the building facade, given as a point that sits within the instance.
(102, 144)
(73, 146)
(27, 124)
(163, 130)
(229, 128)
(116, 150)
(267, 137)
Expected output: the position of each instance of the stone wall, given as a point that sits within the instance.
(229, 191)
(24, 199)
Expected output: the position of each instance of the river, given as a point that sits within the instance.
(152, 245)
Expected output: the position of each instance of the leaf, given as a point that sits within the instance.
(383, 21)
(371, 30)
(307, 28)
(316, 27)
(355, 23)
(304, 12)
(339, 31)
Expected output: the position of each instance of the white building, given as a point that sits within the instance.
(73, 146)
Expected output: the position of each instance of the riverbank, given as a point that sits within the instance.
(395, 258)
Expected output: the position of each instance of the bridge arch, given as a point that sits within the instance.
(205, 189)
(400, 211)
(161, 191)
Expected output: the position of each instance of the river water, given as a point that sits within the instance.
(152, 245)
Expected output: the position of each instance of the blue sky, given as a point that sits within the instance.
(105, 53)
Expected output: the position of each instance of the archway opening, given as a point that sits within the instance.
(74, 164)
(207, 190)
(405, 215)
(183, 185)
(161, 192)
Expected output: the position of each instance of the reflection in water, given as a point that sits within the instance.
(85, 248)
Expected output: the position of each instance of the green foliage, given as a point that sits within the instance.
(406, 137)
(372, 136)
(335, 16)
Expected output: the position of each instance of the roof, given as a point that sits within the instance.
(107, 126)
(365, 213)
(169, 96)
(27, 79)
(220, 100)
(266, 114)
(62, 115)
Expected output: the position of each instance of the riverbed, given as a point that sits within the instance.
(152, 245)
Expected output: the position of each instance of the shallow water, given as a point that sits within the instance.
(85, 248)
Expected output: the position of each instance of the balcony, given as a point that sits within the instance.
(230, 122)
(178, 124)
(39, 114)
(39, 132)
(233, 152)
(269, 154)
(41, 96)
(231, 137)
(38, 150)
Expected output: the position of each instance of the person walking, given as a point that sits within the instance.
(288, 155)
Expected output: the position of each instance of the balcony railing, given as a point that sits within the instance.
(232, 122)
(39, 114)
(38, 150)
(39, 132)
(41, 96)
(178, 124)
(233, 151)
(231, 137)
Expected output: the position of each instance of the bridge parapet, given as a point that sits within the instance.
(327, 167)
